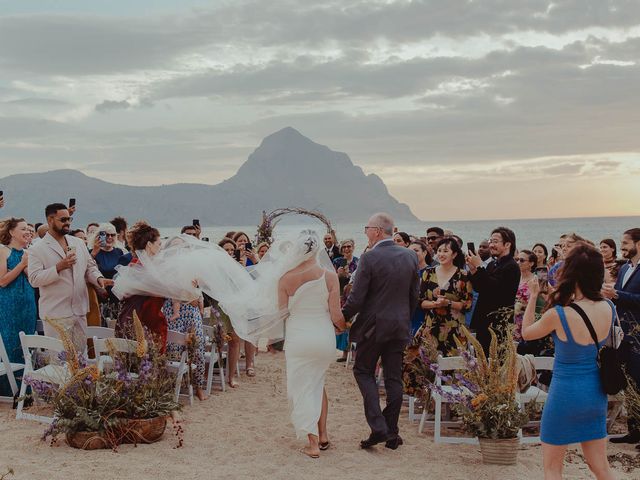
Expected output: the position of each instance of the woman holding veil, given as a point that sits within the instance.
(295, 282)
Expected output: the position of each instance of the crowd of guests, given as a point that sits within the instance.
(53, 271)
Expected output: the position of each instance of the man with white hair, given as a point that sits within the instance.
(384, 295)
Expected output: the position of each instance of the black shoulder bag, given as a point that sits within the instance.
(612, 375)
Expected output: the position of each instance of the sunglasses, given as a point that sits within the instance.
(65, 219)
(521, 260)
(432, 238)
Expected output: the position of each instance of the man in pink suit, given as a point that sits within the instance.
(61, 266)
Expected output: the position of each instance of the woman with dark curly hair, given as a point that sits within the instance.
(576, 408)
(143, 237)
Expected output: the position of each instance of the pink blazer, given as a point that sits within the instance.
(62, 294)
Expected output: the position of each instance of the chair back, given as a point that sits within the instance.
(29, 342)
(120, 345)
(543, 363)
(100, 332)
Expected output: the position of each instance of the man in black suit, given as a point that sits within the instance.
(496, 284)
(384, 294)
(330, 246)
(626, 295)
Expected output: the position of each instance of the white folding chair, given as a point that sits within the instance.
(100, 332)
(352, 349)
(104, 346)
(211, 357)
(7, 368)
(51, 373)
(180, 367)
(445, 364)
(534, 394)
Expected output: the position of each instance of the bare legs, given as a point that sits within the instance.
(313, 449)
(234, 356)
(595, 454)
(249, 353)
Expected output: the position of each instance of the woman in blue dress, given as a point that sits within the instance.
(17, 299)
(576, 408)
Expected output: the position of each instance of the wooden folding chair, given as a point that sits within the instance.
(51, 373)
(7, 368)
(212, 357)
(534, 394)
(445, 364)
(180, 367)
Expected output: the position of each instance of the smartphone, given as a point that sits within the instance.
(236, 254)
(471, 247)
(1, 193)
(205, 239)
(72, 202)
(103, 238)
(248, 246)
(196, 222)
(71, 250)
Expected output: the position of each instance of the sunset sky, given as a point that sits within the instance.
(465, 109)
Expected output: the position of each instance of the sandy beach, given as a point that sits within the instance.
(245, 433)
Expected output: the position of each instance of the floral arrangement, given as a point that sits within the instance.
(138, 387)
(485, 393)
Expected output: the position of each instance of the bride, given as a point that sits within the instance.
(294, 284)
(311, 294)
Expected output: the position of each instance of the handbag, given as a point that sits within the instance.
(608, 359)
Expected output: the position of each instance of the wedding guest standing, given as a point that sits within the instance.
(120, 225)
(330, 246)
(576, 408)
(345, 265)
(527, 261)
(61, 266)
(402, 239)
(107, 257)
(247, 258)
(626, 295)
(262, 249)
(17, 298)
(496, 284)
(143, 237)
(424, 259)
(611, 262)
(541, 253)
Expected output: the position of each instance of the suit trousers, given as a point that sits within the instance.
(368, 351)
(74, 327)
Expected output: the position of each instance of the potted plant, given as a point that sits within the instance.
(484, 397)
(129, 404)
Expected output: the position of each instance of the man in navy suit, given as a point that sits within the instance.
(626, 296)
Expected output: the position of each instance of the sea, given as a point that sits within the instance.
(528, 231)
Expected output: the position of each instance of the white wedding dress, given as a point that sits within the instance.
(310, 347)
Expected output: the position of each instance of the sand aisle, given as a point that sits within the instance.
(245, 434)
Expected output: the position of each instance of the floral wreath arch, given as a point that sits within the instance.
(270, 220)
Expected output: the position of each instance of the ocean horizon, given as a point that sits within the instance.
(528, 231)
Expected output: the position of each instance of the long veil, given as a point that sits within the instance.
(186, 266)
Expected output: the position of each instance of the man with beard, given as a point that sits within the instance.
(626, 295)
(61, 266)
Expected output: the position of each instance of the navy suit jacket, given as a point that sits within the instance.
(628, 301)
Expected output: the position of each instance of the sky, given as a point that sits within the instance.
(465, 109)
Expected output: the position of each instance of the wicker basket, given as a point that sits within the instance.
(500, 451)
(148, 430)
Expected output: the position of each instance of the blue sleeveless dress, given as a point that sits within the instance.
(576, 408)
(17, 313)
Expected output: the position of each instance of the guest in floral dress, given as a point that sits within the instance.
(186, 317)
(17, 298)
(446, 295)
(527, 262)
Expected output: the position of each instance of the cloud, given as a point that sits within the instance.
(108, 105)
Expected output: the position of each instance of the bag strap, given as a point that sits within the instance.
(587, 322)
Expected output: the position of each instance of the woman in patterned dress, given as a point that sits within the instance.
(446, 295)
(185, 317)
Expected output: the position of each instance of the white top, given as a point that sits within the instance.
(628, 273)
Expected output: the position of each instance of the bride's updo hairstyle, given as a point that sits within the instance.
(140, 234)
(307, 244)
(583, 267)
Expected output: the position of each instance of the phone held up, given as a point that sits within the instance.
(103, 238)
(72, 202)
(471, 248)
(196, 222)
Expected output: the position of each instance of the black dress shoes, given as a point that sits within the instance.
(394, 443)
(631, 437)
(374, 439)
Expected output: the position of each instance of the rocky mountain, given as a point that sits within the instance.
(286, 170)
